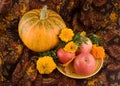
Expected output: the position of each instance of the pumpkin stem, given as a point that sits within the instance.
(44, 13)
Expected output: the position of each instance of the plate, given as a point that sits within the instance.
(69, 71)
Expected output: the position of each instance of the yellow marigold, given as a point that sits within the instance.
(45, 65)
(66, 34)
(70, 47)
(98, 51)
(113, 16)
(83, 33)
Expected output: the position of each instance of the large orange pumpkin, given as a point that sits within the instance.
(39, 29)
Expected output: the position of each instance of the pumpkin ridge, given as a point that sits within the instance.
(34, 11)
(56, 28)
(25, 21)
(48, 25)
(39, 24)
(27, 36)
(30, 15)
(26, 24)
(26, 30)
(58, 23)
(58, 18)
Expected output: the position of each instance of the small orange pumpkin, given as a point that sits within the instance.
(39, 29)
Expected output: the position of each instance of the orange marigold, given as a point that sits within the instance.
(98, 51)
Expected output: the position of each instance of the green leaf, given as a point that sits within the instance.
(76, 38)
(51, 53)
(61, 44)
(94, 38)
(79, 39)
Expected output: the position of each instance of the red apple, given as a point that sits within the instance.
(84, 64)
(85, 47)
(64, 56)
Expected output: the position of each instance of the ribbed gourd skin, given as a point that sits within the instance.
(40, 35)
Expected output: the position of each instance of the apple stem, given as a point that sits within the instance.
(86, 60)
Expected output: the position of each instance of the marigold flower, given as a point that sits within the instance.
(66, 34)
(98, 51)
(45, 65)
(70, 47)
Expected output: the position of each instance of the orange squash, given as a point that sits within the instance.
(39, 29)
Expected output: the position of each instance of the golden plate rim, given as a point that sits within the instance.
(99, 64)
